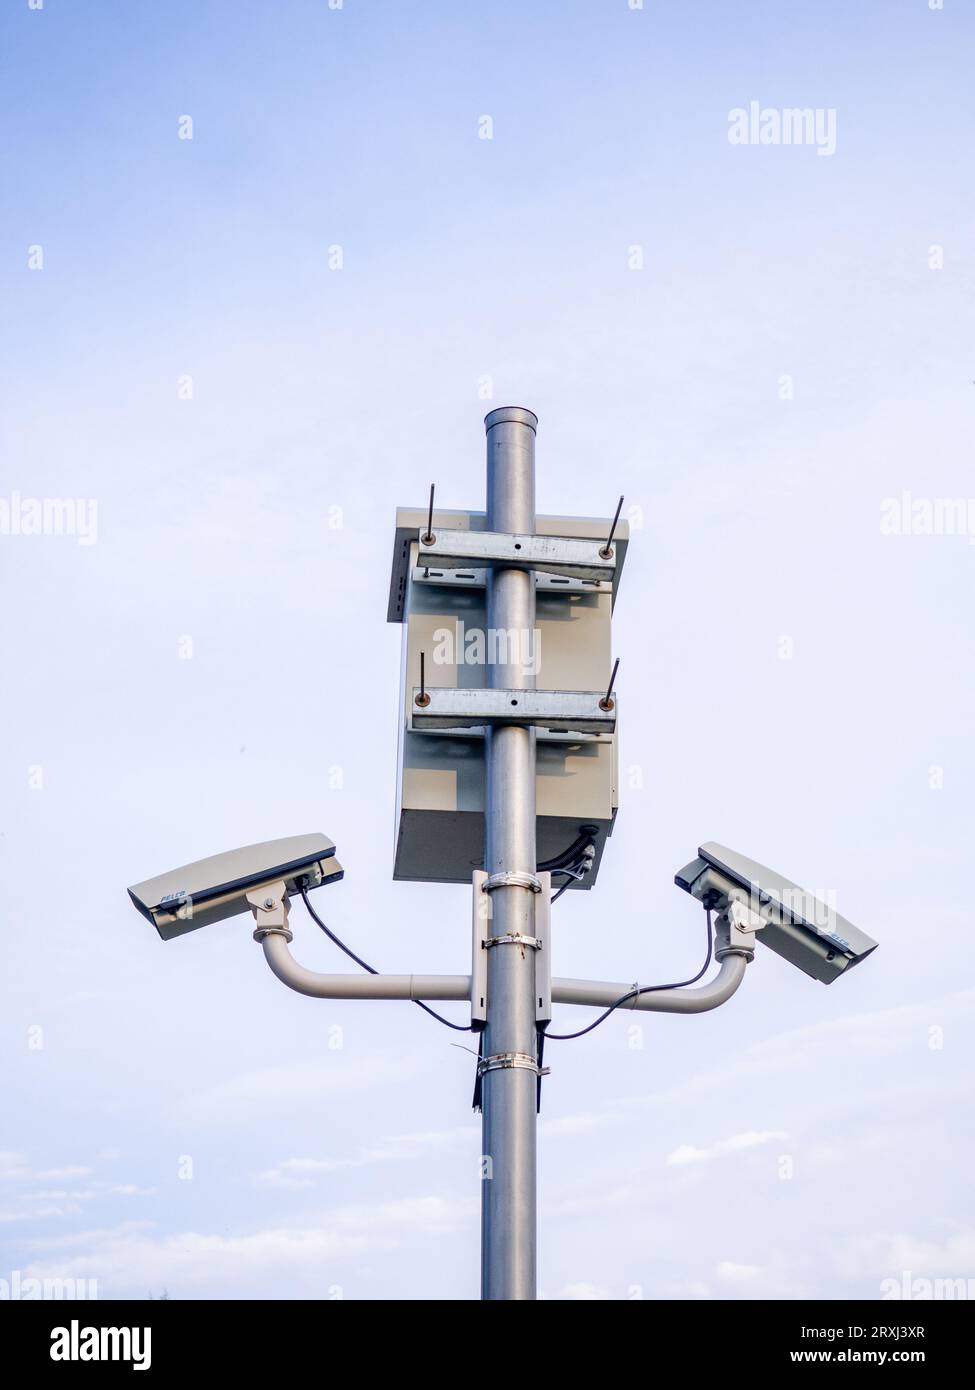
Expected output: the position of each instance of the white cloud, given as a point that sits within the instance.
(567, 1126)
(886, 1254)
(300, 1172)
(273, 1087)
(735, 1143)
(693, 1288)
(686, 1153)
(732, 1273)
(31, 1202)
(581, 1201)
(14, 1167)
(36, 1214)
(133, 1258)
(750, 1139)
(872, 1036)
(427, 1214)
(191, 1262)
(88, 1194)
(583, 1293)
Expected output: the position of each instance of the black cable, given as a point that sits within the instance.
(540, 1053)
(332, 937)
(478, 1075)
(555, 896)
(633, 993)
(573, 870)
(458, 1027)
(573, 874)
(568, 856)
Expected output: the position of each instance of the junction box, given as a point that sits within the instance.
(440, 773)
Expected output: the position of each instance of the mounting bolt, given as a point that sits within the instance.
(607, 703)
(423, 699)
(429, 538)
(607, 550)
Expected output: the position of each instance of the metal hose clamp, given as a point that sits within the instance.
(261, 932)
(513, 938)
(505, 1061)
(515, 879)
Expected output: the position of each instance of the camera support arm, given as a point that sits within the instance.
(734, 949)
(270, 908)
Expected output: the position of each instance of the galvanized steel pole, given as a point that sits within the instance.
(508, 1094)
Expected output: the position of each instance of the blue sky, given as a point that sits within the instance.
(478, 273)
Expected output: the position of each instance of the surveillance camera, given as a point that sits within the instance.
(792, 921)
(215, 888)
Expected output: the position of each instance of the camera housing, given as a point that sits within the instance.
(795, 924)
(213, 889)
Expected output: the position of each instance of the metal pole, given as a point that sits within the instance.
(508, 1095)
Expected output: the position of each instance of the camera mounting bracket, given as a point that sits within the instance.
(270, 907)
(736, 927)
(561, 555)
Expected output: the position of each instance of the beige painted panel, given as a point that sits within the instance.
(440, 823)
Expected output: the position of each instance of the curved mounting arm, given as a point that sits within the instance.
(271, 912)
(668, 1001)
(277, 953)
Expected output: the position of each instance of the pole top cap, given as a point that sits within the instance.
(513, 415)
